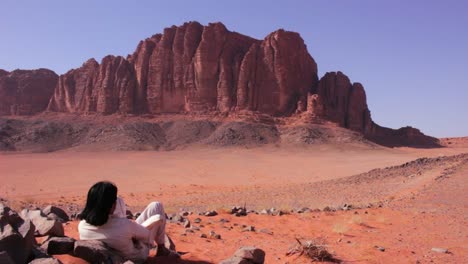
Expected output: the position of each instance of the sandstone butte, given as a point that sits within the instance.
(200, 69)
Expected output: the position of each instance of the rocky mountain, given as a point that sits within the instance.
(196, 69)
(26, 92)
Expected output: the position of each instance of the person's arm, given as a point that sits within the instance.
(139, 232)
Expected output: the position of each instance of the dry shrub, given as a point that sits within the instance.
(314, 249)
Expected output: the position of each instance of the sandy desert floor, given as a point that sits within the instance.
(423, 204)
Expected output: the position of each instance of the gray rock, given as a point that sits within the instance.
(9, 216)
(265, 212)
(16, 235)
(45, 261)
(58, 245)
(184, 213)
(236, 260)
(303, 210)
(57, 212)
(265, 231)
(44, 226)
(38, 252)
(249, 229)
(177, 218)
(187, 223)
(93, 251)
(13, 244)
(380, 248)
(440, 250)
(211, 213)
(253, 254)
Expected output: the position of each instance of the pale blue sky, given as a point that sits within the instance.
(411, 56)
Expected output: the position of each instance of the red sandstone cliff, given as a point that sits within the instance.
(194, 68)
(337, 99)
(25, 92)
(105, 88)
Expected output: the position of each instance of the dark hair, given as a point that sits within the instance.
(101, 198)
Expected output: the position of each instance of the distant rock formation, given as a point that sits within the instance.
(202, 69)
(194, 68)
(26, 92)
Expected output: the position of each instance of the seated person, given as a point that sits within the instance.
(104, 219)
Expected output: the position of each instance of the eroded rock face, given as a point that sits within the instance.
(202, 69)
(26, 92)
(343, 102)
(105, 88)
(276, 74)
(194, 68)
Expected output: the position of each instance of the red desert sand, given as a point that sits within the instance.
(405, 208)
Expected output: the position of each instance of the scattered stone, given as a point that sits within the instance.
(184, 213)
(380, 248)
(57, 213)
(346, 207)
(187, 223)
(235, 260)
(248, 229)
(303, 210)
(214, 235)
(265, 231)
(93, 251)
(203, 236)
(265, 212)
(278, 212)
(58, 245)
(177, 218)
(197, 220)
(239, 211)
(222, 220)
(246, 255)
(16, 235)
(211, 213)
(440, 250)
(46, 261)
(44, 226)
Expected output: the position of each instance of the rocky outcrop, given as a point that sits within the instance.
(105, 88)
(405, 136)
(26, 92)
(276, 74)
(197, 69)
(342, 102)
(194, 68)
(16, 236)
(338, 100)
